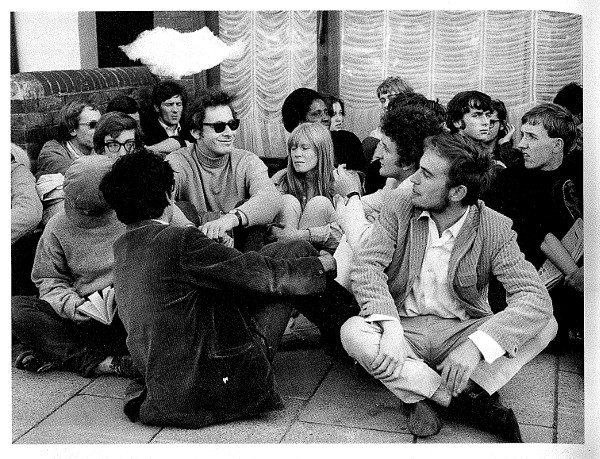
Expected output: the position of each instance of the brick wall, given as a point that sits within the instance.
(36, 98)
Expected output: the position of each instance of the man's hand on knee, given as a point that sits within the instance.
(388, 362)
(458, 367)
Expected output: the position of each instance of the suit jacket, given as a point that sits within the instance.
(387, 264)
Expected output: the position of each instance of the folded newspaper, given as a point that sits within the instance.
(100, 305)
(573, 242)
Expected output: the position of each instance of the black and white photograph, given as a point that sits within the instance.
(303, 228)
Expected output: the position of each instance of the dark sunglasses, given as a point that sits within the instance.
(113, 146)
(219, 126)
(91, 124)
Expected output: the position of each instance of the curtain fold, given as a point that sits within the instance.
(281, 55)
(520, 57)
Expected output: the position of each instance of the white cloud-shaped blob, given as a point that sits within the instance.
(170, 53)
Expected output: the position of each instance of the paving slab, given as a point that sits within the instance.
(305, 432)
(88, 419)
(570, 422)
(454, 432)
(536, 434)
(107, 386)
(347, 399)
(267, 428)
(35, 396)
(531, 392)
(298, 373)
(571, 360)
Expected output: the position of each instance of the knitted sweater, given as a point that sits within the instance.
(72, 262)
(221, 184)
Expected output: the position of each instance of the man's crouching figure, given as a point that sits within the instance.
(202, 320)
(421, 280)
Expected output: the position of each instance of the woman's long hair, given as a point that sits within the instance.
(319, 137)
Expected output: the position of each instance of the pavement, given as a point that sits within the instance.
(326, 401)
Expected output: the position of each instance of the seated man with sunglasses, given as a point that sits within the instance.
(217, 178)
(76, 125)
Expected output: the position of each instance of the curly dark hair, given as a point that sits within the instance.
(296, 106)
(212, 97)
(112, 124)
(462, 102)
(470, 165)
(408, 124)
(136, 186)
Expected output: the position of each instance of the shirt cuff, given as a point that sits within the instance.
(488, 347)
(379, 318)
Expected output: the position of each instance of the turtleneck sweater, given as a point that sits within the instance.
(220, 184)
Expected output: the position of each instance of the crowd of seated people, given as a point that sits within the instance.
(416, 252)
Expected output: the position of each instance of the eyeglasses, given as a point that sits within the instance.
(219, 126)
(91, 124)
(113, 146)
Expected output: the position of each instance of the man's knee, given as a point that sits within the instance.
(353, 334)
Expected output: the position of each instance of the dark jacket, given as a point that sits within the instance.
(176, 289)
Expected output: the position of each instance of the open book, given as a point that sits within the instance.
(573, 243)
(100, 305)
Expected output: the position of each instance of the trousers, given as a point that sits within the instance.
(427, 341)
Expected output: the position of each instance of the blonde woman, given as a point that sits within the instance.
(307, 186)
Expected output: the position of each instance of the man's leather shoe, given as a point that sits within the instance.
(486, 412)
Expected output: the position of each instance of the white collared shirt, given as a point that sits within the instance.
(431, 293)
(172, 131)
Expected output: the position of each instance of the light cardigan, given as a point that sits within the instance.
(221, 184)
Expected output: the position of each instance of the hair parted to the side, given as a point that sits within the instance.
(557, 121)
(166, 89)
(212, 97)
(296, 106)
(124, 104)
(408, 124)
(68, 117)
(393, 84)
(462, 102)
(112, 124)
(136, 186)
(319, 137)
(469, 164)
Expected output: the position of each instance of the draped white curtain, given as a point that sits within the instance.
(281, 56)
(520, 57)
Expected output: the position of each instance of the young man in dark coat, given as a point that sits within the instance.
(192, 306)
